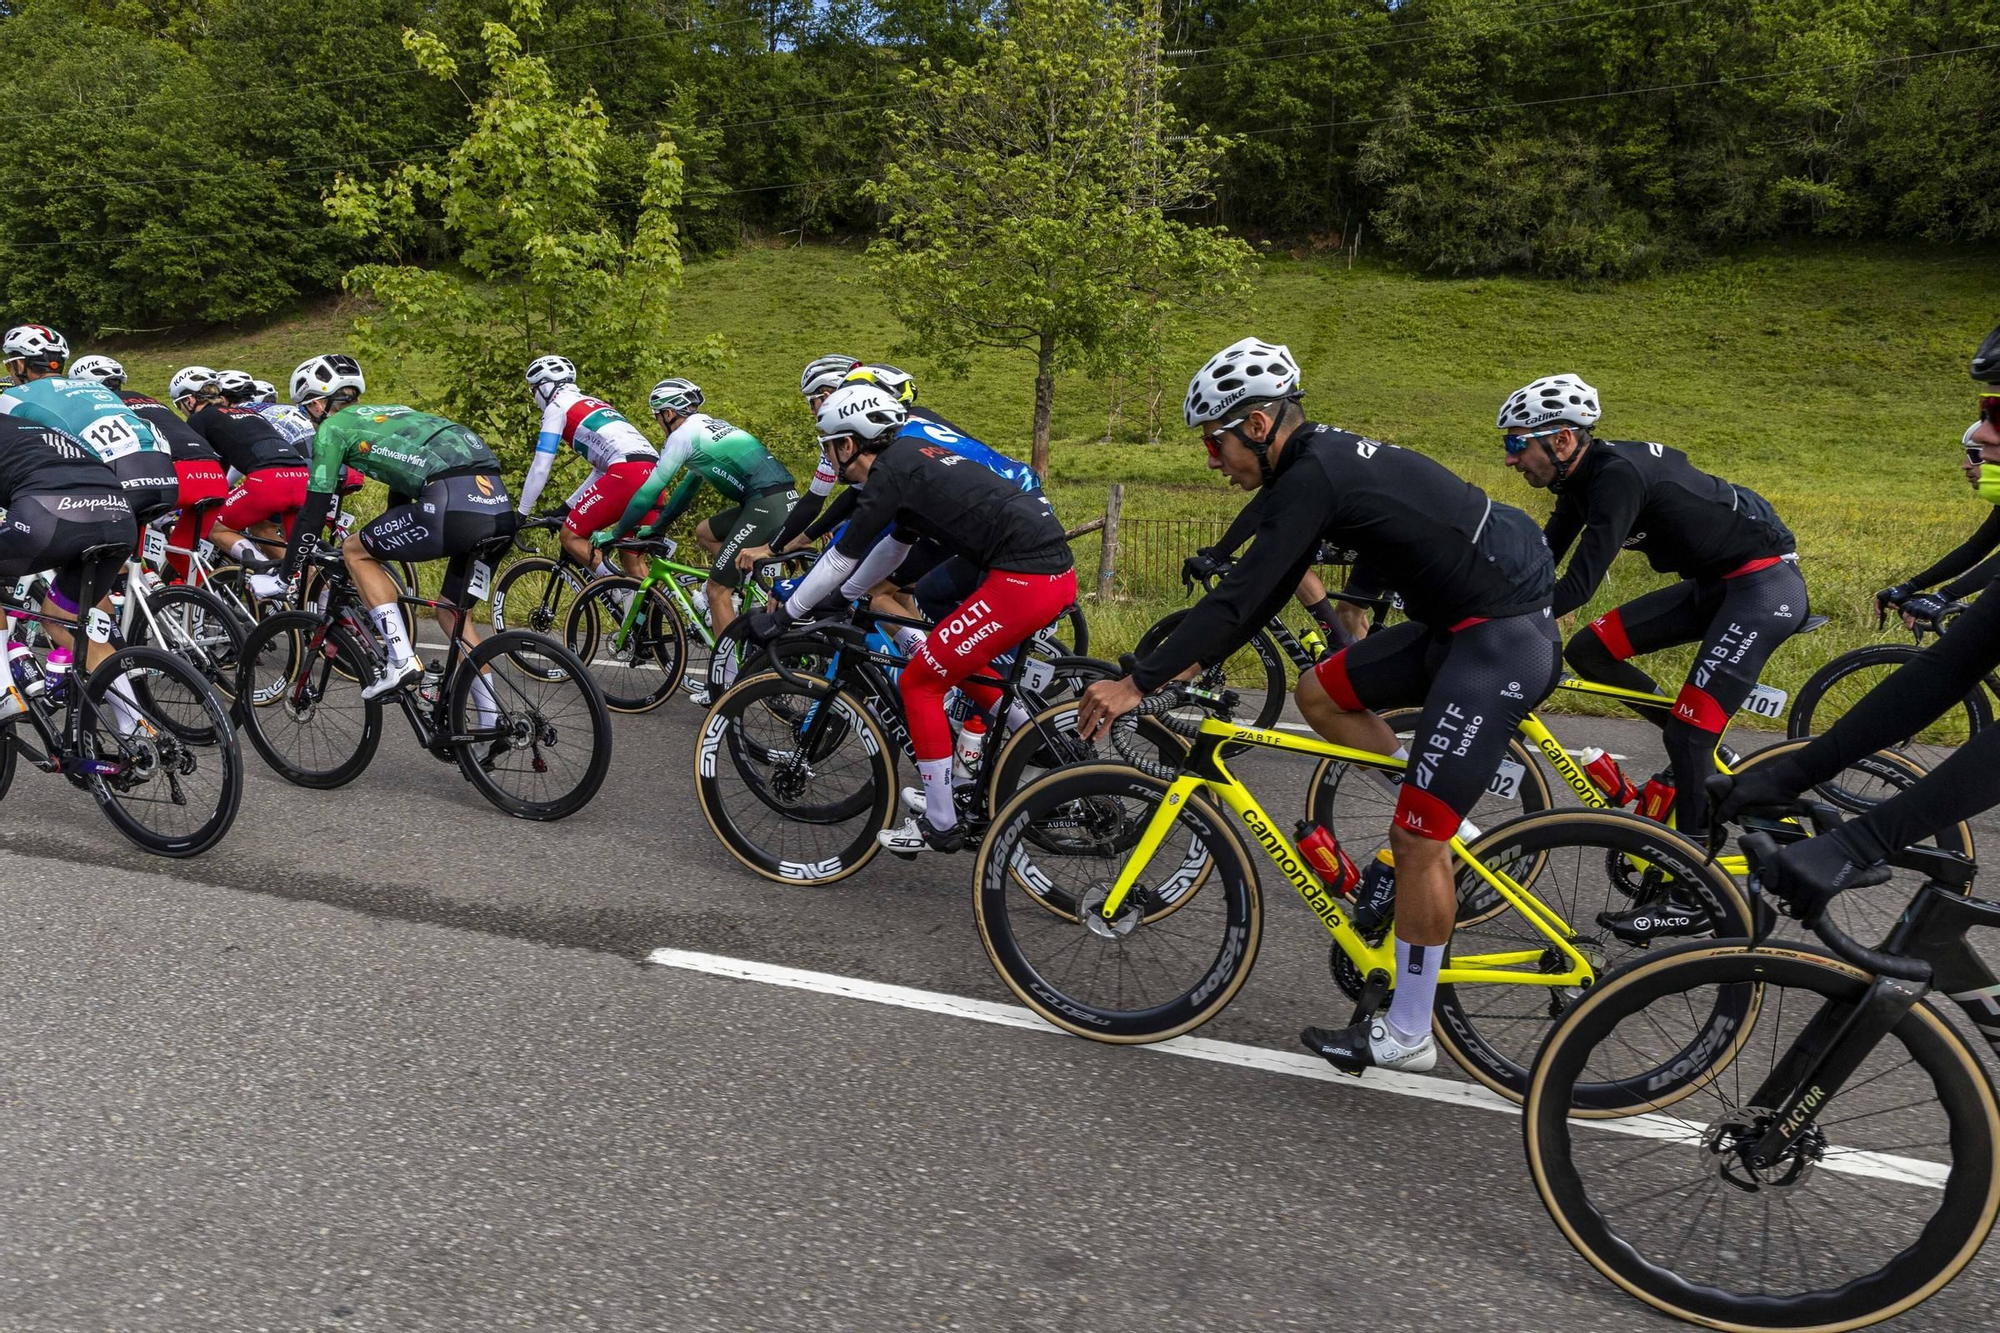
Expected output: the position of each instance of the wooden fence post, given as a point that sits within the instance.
(1107, 551)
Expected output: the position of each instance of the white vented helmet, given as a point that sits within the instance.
(868, 412)
(189, 380)
(235, 386)
(100, 368)
(546, 374)
(823, 373)
(1563, 400)
(34, 342)
(263, 391)
(324, 376)
(675, 395)
(1249, 371)
(898, 384)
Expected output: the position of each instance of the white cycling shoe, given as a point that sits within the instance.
(1371, 1044)
(393, 677)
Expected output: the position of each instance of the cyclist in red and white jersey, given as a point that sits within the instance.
(620, 457)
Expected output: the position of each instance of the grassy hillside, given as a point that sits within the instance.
(1831, 380)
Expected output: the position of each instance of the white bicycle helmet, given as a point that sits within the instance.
(898, 384)
(678, 396)
(868, 412)
(100, 368)
(1559, 400)
(824, 373)
(189, 380)
(546, 374)
(36, 343)
(1247, 371)
(325, 376)
(263, 391)
(235, 386)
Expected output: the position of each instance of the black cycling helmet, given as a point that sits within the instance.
(1986, 361)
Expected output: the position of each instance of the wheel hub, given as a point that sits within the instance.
(1090, 910)
(1727, 1147)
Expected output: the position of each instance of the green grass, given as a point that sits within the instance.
(1832, 380)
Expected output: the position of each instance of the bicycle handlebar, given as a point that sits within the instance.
(1761, 849)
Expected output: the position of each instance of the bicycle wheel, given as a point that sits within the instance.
(1256, 671)
(1048, 741)
(636, 662)
(1069, 636)
(6, 758)
(1836, 687)
(171, 795)
(1886, 1197)
(534, 593)
(1184, 940)
(797, 802)
(303, 710)
(1572, 861)
(545, 751)
(197, 627)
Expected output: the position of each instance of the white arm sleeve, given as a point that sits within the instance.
(878, 564)
(538, 477)
(820, 583)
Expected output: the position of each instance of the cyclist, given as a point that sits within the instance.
(620, 457)
(1969, 567)
(1342, 622)
(1919, 692)
(759, 488)
(35, 356)
(197, 467)
(1478, 652)
(239, 390)
(258, 515)
(61, 499)
(446, 496)
(1740, 593)
(263, 391)
(911, 489)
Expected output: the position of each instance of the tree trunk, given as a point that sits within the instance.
(1045, 403)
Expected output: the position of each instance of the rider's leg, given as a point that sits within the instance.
(1327, 695)
(1677, 613)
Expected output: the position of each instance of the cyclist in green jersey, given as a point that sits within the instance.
(727, 458)
(446, 496)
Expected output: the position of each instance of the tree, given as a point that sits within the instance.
(544, 271)
(1030, 197)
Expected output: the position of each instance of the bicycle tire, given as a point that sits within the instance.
(165, 756)
(1263, 686)
(7, 759)
(542, 608)
(302, 644)
(1222, 878)
(723, 749)
(1960, 1090)
(1048, 741)
(1497, 1048)
(206, 635)
(657, 643)
(1813, 712)
(539, 711)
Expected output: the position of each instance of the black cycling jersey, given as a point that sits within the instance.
(40, 460)
(1648, 498)
(926, 490)
(245, 438)
(1963, 566)
(1451, 551)
(183, 440)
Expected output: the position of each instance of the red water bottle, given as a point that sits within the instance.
(1323, 854)
(1658, 798)
(1607, 777)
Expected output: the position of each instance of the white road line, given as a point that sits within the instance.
(1426, 1087)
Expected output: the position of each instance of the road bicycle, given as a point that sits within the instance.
(1147, 921)
(543, 756)
(796, 768)
(1830, 1161)
(143, 733)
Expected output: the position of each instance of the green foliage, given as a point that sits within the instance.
(1029, 196)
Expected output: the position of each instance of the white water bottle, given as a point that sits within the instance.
(971, 744)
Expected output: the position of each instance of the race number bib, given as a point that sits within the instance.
(344, 525)
(206, 548)
(1506, 783)
(113, 438)
(156, 546)
(1037, 675)
(1766, 701)
(480, 580)
(98, 625)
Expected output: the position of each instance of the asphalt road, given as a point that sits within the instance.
(389, 1060)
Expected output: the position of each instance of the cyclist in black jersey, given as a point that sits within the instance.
(1919, 692)
(1963, 571)
(1740, 594)
(1342, 622)
(1478, 652)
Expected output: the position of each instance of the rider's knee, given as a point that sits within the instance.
(1587, 654)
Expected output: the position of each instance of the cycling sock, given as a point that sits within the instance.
(604, 569)
(1415, 995)
(245, 550)
(1336, 633)
(1392, 782)
(388, 620)
(1018, 716)
(124, 708)
(940, 811)
(907, 639)
(485, 708)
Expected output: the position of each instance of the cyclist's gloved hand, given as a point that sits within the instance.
(1812, 873)
(1776, 784)
(1890, 598)
(1202, 566)
(764, 625)
(602, 538)
(1929, 606)
(560, 511)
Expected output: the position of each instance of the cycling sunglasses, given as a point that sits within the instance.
(1210, 440)
(1514, 444)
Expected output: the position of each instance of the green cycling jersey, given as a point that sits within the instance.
(400, 447)
(87, 410)
(726, 457)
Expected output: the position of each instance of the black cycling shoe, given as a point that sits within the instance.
(1668, 916)
(1370, 1044)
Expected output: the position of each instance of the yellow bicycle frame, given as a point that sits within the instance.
(1205, 769)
